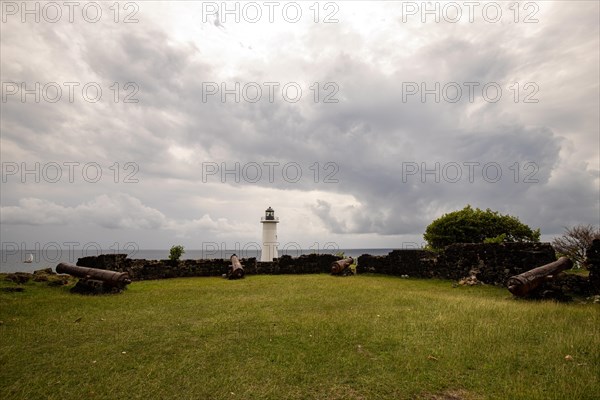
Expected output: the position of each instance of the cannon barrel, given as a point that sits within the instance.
(522, 284)
(338, 266)
(108, 277)
(236, 270)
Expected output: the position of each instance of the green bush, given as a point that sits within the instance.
(176, 252)
(477, 226)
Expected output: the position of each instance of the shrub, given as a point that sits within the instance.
(477, 226)
(176, 252)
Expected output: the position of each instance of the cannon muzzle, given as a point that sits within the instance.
(338, 267)
(236, 270)
(107, 278)
(523, 284)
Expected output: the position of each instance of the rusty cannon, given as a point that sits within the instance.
(342, 267)
(526, 283)
(95, 281)
(236, 270)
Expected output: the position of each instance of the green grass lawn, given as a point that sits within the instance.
(296, 337)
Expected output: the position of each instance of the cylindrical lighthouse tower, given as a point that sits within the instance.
(269, 237)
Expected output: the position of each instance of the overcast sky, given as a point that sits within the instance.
(391, 117)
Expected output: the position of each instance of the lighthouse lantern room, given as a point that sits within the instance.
(269, 236)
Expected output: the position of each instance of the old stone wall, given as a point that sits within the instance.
(140, 269)
(592, 256)
(489, 263)
(412, 262)
(494, 262)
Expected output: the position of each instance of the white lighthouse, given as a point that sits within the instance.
(269, 237)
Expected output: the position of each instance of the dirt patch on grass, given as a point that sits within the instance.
(344, 392)
(452, 394)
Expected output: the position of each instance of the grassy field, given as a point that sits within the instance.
(296, 337)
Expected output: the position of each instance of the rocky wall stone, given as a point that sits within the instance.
(592, 261)
(491, 263)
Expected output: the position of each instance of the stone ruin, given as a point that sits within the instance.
(592, 256)
(467, 262)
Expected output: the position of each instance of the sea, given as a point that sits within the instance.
(14, 261)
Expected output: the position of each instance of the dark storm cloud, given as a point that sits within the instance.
(373, 134)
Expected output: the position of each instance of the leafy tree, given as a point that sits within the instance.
(575, 241)
(477, 226)
(176, 252)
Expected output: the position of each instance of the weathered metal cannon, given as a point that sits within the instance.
(342, 267)
(236, 270)
(525, 283)
(95, 281)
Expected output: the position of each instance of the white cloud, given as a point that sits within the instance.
(114, 211)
